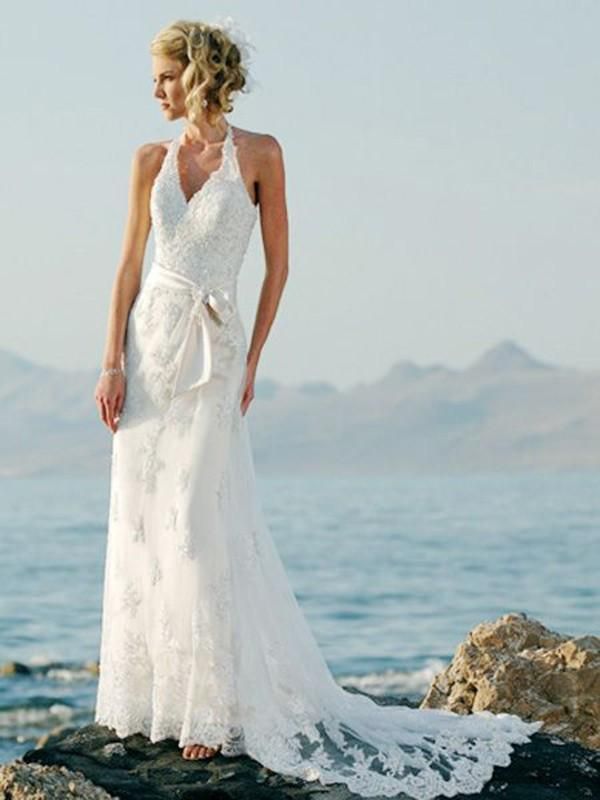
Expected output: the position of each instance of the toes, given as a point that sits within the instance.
(199, 751)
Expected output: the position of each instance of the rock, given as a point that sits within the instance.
(516, 665)
(55, 734)
(14, 668)
(20, 781)
(93, 667)
(133, 768)
(114, 749)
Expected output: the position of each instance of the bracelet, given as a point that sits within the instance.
(112, 371)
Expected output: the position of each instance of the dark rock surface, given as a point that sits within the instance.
(547, 768)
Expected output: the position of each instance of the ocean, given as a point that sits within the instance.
(392, 573)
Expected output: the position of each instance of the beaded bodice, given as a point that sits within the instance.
(204, 239)
(185, 325)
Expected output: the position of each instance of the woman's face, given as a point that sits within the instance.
(168, 90)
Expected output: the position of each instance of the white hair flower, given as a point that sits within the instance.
(230, 27)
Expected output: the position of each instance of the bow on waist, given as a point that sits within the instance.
(195, 360)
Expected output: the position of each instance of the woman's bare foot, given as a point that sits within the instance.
(199, 751)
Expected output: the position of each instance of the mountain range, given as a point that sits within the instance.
(506, 411)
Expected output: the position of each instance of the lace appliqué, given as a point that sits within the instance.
(139, 533)
(186, 543)
(132, 599)
(223, 490)
(149, 460)
(156, 572)
(253, 547)
(183, 479)
(182, 529)
(180, 414)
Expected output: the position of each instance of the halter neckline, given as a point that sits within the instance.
(227, 141)
(229, 167)
(228, 136)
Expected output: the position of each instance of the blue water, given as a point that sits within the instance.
(391, 572)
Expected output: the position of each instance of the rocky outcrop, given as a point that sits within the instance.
(20, 781)
(516, 665)
(133, 768)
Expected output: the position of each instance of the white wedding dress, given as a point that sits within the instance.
(203, 640)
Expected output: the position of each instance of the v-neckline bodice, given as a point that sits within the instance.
(213, 175)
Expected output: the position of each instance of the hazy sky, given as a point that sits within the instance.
(442, 176)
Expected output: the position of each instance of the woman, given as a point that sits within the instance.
(203, 640)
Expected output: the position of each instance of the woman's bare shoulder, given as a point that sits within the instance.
(148, 158)
(263, 148)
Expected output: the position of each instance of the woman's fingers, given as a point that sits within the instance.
(119, 402)
(247, 397)
(111, 413)
(104, 410)
(110, 398)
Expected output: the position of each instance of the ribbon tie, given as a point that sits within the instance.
(195, 360)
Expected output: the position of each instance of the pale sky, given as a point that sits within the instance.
(442, 168)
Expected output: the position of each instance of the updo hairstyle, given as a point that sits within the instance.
(213, 68)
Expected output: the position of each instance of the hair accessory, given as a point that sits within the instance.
(230, 27)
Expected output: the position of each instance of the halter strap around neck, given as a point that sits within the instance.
(226, 167)
(227, 141)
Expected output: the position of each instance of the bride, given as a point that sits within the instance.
(203, 640)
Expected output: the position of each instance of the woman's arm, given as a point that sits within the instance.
(110, 390)
(275, 236)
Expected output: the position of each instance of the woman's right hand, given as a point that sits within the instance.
(110, 396)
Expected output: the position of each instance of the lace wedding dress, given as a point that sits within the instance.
(203, 640)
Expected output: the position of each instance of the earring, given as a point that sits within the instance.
(204, 102)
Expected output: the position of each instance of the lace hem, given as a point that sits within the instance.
(459, 759)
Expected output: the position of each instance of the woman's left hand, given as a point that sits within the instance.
(248, 393)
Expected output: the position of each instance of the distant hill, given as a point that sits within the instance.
(506, 411)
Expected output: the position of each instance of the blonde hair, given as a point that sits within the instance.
(212, 62)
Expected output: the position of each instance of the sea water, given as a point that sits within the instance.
(392, 572)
